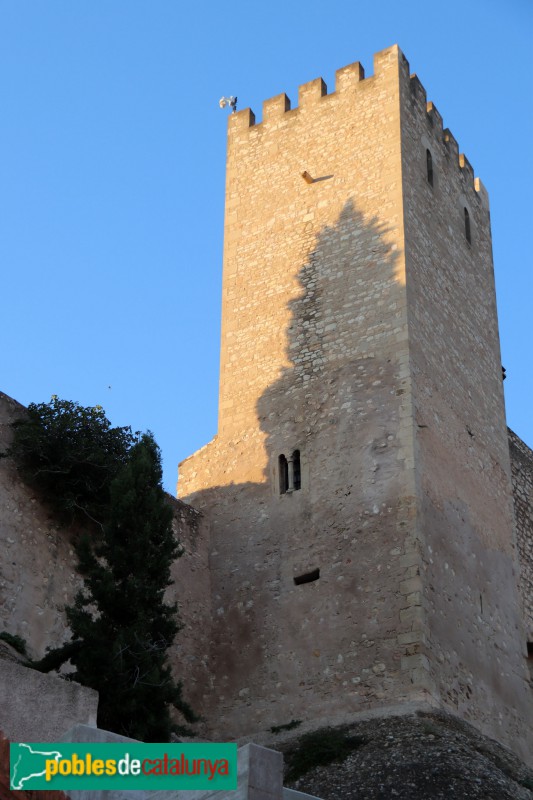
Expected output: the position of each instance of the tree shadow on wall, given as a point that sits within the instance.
(341, 345)
(333, 405)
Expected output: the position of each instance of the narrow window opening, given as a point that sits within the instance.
(429, 167)
(297, 470)
(290, 473)
(468, 234)
(283, 474)
(307, 577)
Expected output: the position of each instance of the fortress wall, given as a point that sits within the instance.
(468, 584)
(191, 590)
(38, 573)
(37, 565)
(522, 474)
(37, 707)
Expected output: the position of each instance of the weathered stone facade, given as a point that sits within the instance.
(472, 636)
(191, 589)
(38, 572)
(522, 472)
(359, 333)
(39, 707)
(37, 569)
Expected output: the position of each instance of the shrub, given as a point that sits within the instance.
(319, 748)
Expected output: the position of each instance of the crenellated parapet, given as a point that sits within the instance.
(434, 117)
(275, 107)
(349, 80)
(445, 136)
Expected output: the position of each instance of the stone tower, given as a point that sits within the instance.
(358, 489)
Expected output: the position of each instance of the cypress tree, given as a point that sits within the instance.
(121, 626)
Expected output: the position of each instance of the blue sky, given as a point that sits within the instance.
(112, 180)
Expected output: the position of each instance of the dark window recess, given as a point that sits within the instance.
(307, 577)
(468, 234)
(283, 474)
(290, 473)
(297, 470)
(530, 659)
(429, 167)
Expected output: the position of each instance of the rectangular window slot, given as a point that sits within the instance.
(307, 577)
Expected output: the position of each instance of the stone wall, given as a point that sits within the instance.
(522, 472)
(39, 708)
(38, 576)
(191, 590)
(471, 639)
(37, 567)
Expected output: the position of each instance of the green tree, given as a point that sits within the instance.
(70, 454)
(121, 626)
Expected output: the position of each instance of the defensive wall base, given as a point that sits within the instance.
(37, 706)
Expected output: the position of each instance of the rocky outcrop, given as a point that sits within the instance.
(417, 757)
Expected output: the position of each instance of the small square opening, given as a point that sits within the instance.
(307, 577)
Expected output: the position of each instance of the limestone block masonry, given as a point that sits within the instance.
(38, 708)
(522, 471)
(37, 567)
(38, 575)
(362, 446)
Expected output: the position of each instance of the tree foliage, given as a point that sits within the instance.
(70, 454)
(121, 626)
(123, 646)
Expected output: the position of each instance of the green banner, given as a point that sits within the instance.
(127, 766)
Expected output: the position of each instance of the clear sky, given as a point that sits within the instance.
(112, 180)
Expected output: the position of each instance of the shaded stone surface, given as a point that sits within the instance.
(37, 707)
(522, 474)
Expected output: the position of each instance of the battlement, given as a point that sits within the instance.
(434, 117)
(444, 135)
(347, 79)
(313, 95)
